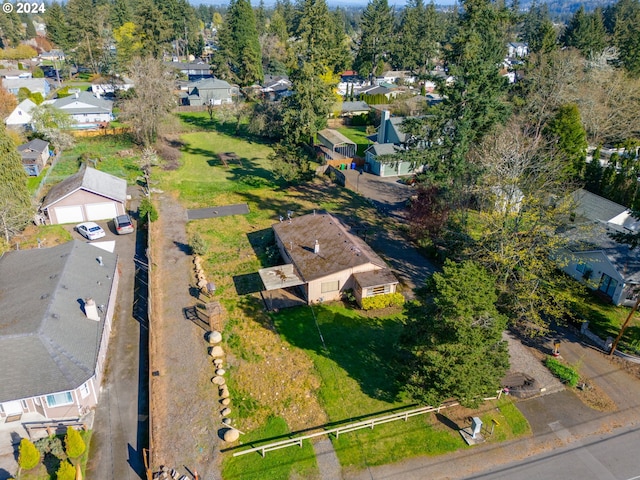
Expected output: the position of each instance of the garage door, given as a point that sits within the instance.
(69, 214)
(101, 211)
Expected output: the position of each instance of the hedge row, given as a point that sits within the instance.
(382, 301)
(562, 371)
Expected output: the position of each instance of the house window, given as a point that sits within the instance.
(84, 390)
(327, 287)
(379, 290)
(59, 399)
(608, 285)
(24, 405)
(585, 269)
(37, 400)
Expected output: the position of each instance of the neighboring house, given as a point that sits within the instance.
(34, 85)
(397, 76)
(193, 71)
(35, 155)
(87, 195)
(52, 55)
(109, 89)
(86, 110)
(57, 306)
(352, 109)
(21, 115)
(11, 74)
(324, 259)
(389, 141)
(517, 49)
(377, 90)
(209, 90)
(593, 257)
(276, 87)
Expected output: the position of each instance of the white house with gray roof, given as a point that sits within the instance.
(87, 195)
(57, 306)
(21, 115)
(86, 110)
(593, 257)
(209, 90)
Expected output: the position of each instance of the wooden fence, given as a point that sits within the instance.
(100, 132)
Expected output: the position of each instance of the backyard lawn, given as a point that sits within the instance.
(357, 135)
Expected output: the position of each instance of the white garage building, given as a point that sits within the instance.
(88, 195)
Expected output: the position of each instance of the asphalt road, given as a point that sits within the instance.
(606, 458)
(121, 417)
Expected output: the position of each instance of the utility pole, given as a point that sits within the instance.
(625, 325)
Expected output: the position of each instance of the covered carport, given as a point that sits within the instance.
(336, 143)
(283, 287)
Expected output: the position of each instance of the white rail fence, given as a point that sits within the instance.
(371, 423)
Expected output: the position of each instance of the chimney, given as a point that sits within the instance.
(91, 309)
(316, 248)
(382, 129)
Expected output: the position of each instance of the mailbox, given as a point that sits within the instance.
(476, 426)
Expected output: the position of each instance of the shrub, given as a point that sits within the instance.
(29, 456)
(66, 471)
(52, 445)
(147, 210)
(564, 372)
(73, 442)
(382, 301)
(199, 245)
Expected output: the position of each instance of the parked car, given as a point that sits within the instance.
(123, 224)
(90, 230)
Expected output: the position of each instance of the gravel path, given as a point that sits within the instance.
(184, 423)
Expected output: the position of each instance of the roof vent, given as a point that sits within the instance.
(91, 310)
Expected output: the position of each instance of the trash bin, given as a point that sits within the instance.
(342, 166)
(353, 165)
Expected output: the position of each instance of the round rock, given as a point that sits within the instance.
(231, 435)
(226, 421)
(225, 401)
(218, 361)
(218, 380)
(221, 371)
(224, 392)
(216, 351)
(225, 412)
(214, 337)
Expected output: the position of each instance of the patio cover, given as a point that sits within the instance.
(281, 276)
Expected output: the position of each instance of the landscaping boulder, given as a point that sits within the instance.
(225, 401)
(216, 351)
(225, 412)
(231, 435)
(220, 371)
(224, 392)
(214, 337)
(218, 380)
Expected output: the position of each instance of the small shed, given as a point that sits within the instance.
(336, 142)
(35, 155)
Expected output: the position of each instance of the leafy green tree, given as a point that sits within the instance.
(120, 13)
(66, 471)
(290, 162)
(586, 32)
(147, 210)
(376, 27)
(51, 124)
(570, 138)
(28, 456)
(239, 58)
(456, 346)
(74, 444)
(128, 44)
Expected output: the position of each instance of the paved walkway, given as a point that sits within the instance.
(215, 212)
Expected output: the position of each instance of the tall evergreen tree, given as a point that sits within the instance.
(15, 202)
(239, 58)
(538, 30)
(586, 32)
(567, 132)
(57, 28)
(154, 28)
(626, 34)
(416, 42)
(120, 13)
(376, 28)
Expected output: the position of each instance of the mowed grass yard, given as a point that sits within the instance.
(281, 378)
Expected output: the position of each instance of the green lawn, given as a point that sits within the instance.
(115, 154)
(358, 135)
(293, 462)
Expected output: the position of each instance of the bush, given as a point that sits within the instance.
(564, 372)
(66, 471)
(146, 210)
(52, 445)
(199, 245)
(74, 444)
(29, 456)
(382, 301)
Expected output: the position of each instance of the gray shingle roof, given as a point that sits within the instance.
(357, 106)
(91, 180)
(47, 344)
(595, 208)
(383, 149)
(339, 249)
(72, 105)
(335, 137)
(35, 145)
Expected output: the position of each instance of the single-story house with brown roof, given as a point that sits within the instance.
(57, 310)
(87, 195)
(324, 259)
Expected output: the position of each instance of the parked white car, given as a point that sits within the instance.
(90, 230)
